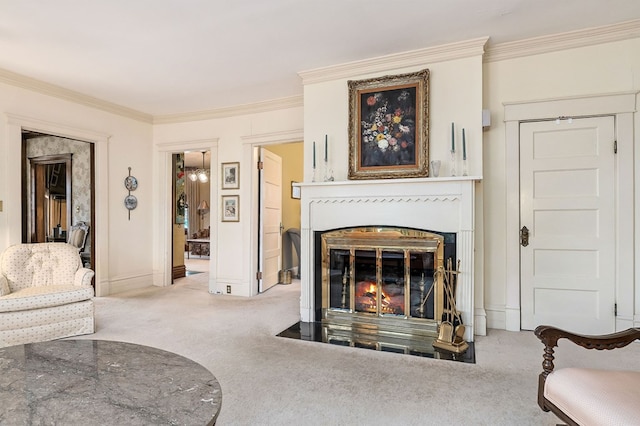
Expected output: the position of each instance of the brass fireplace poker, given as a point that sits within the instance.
(450, 336)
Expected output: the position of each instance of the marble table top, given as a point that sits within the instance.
(91, 382)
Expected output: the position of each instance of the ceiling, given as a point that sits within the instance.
(162, 57)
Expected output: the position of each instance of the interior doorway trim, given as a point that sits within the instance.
(15, 125)
(622, 106)
(163, 247)
(250, 145)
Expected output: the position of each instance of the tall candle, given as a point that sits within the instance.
(464, 147)
(314, 154)
(453, 139)
(326, 155)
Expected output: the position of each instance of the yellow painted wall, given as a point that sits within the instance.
(291, 155)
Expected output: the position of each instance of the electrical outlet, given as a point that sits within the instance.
(228, 289)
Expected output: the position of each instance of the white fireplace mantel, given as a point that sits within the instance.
(433, 204)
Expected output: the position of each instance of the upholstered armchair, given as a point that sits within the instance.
(45, 294)
(581, 396)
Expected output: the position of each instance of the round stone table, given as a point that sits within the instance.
(99, 382)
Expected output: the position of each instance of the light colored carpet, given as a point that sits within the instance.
(269, 380)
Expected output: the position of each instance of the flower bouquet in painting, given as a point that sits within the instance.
(388, 127)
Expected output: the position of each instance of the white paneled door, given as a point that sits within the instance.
(567, 207)
(270, 219)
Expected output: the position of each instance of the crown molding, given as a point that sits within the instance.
(191, 145)
(257, 107)
(284, 136)
(420, 57)
(70, 95)
(562, 41)
(57, 129)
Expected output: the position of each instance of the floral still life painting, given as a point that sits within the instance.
(388, 127)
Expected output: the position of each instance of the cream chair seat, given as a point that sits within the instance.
(45, 294)
(585, 396)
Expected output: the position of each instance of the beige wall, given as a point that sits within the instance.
(131, 251)
(455, 95)
(122, 245)
(230, 139)
(605, 68)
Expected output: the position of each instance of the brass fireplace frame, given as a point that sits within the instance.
(402, 331)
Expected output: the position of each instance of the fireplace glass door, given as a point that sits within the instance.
(372, 274)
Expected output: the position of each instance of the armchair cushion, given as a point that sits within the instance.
(595, 396)
(44, 296)
(29, 265)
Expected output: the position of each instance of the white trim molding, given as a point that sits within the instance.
(420, 57)
(285, 136)
(49, 89)
(163, 222)
(563, 41)
(232, 111)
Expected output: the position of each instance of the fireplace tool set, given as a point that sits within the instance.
(451, 330)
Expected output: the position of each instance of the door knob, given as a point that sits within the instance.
(524, 236)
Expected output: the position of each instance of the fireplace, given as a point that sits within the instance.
(429, 207)
(383, 285)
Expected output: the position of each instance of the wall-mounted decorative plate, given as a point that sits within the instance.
(130, 202)
(131, 183)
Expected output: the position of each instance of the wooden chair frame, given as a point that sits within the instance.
(550, 336)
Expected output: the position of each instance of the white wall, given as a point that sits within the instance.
(233, 248)
(122, 245)
(600, 69)
(455, 95)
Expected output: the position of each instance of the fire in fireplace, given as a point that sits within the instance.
(383, 283)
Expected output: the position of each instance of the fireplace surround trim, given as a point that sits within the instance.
(444, 204)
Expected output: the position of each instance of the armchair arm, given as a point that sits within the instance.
(4, 286)
(550, 335)
(83, 277)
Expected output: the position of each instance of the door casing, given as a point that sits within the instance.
(622, 106)
(250, 147)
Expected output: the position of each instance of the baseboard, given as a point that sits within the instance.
(122, 284)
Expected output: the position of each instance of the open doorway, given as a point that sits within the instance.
(288, 232)
(58, 192)
(191, 188)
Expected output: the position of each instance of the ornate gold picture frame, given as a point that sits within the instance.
(389, 126)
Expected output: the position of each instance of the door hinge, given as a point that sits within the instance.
(260, 165)
(615, 309)
(259, 275)
(615, 147)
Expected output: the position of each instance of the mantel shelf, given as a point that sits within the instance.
(390, 181)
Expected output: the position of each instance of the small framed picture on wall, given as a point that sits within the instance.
(230, 176)
(230, 208)
(295, 190)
